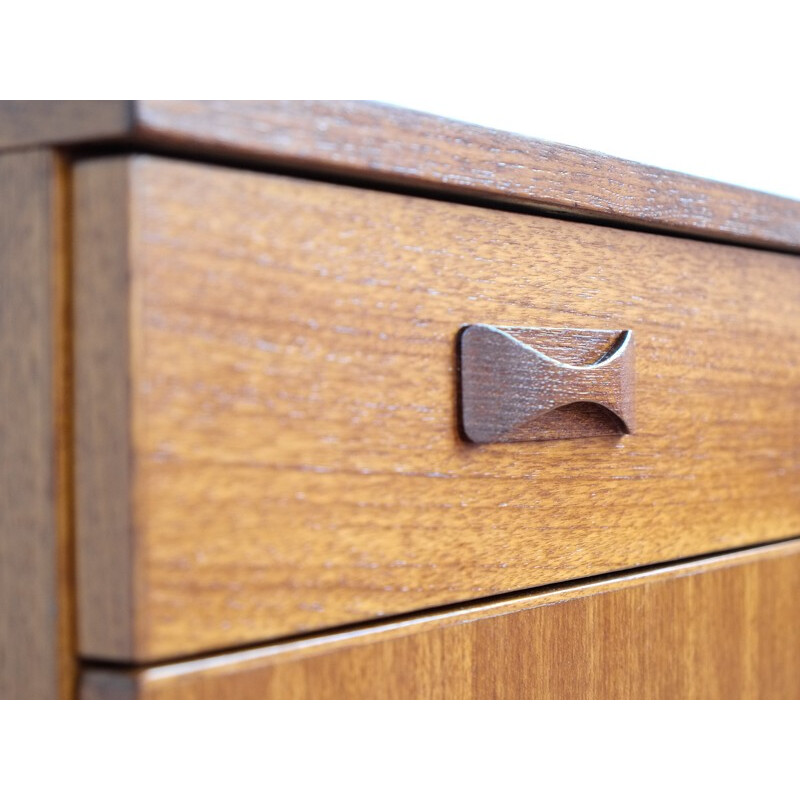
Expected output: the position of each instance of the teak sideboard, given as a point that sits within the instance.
(337, 400)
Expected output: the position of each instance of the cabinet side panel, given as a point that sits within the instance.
(36, 658)
(102, 452)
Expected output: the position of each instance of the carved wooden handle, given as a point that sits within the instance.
(523, 384)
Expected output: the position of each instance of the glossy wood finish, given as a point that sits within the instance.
(36, 643)
(533, 384)
(398, 147)
(281, 357)
(717, 628)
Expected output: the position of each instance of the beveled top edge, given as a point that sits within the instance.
(393, 147)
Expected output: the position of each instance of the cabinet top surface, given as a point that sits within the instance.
(414, 152)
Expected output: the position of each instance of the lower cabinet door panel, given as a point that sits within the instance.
(720, 627)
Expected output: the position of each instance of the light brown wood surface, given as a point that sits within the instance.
(36, 641)
(724, 627)
(295, 462)
(398, 147)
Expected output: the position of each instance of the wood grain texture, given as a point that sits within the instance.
(36, 641)
(410, 148)
(533, 384)
(724, 627)
(398, 147)
(24, 123)
(295, 457)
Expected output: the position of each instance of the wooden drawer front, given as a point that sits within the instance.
(266, 425)
(725, 627)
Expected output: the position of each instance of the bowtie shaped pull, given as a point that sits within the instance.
(528, 384)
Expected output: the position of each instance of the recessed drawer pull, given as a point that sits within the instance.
(527, 384)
